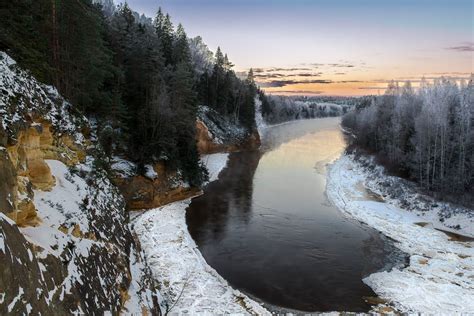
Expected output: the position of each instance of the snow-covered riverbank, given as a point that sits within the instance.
(440, 275)
(188, 284)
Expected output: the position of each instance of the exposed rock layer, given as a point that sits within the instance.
(141, 192)
(71, 251)
(25, 167)
(207, 143)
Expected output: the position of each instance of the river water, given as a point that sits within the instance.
(268, 228)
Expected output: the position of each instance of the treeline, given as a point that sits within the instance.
(223, 91)
(141, 80)
(276, 109)
(427, 135)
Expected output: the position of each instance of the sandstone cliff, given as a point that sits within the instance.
(65, 243)
(215, 133)
(159, 186)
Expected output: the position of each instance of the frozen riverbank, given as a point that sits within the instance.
(188, 284)
(440, 274)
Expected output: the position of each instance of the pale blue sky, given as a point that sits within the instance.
(382, 39)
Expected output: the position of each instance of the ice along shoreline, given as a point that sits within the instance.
(438, 278)
(440, 275)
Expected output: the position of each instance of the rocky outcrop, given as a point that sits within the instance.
(215, 133)
(142, 192)
(21, 277)
(26, 169)
(65, 243)
(205, 140)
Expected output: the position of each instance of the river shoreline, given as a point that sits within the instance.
(439, 277)
(188, 284)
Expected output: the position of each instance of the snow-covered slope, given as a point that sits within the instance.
(223, 131)
(74, 251)
(23, 99)
(439, 278)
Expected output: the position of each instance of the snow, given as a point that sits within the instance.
(2, 243)
(123, 168)
(16, 299)
(150, 172)
(188, 284)
(22, 94)
(214, 163)
(3, 217)
(139, 295)
(64, 201)
(440, 275)
(65, 206)
(221, 129)
(404, 194)
(50, 239)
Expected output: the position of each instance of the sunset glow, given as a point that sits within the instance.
(332, 47)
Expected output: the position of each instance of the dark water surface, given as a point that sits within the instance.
(268, 228)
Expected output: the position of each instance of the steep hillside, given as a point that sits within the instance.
(216, 133)
(65, 242)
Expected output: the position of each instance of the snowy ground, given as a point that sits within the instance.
(188, 284)
(440, 275)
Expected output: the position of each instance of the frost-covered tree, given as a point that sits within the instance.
(277, 109)
(427, 135)
(201, 56)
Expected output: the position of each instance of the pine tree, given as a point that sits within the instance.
(247, 111)
(183, 100)
(216, 93)
(165, 32)
(181, 53)
(25, 36)
(227, 65)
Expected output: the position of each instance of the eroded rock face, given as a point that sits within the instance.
(208, 143)
(205, 141)
(141, 192)
(28, 160)
(8, 183)
(216, 133)
(65, 243)
(21, 277)
(25, 167)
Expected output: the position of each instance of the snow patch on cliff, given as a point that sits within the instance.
(440, 275)
(21, 94)
(222, 130)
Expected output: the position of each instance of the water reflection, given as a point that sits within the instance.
(231, 199)
(267, 227)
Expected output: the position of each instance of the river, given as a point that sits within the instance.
(268, 228)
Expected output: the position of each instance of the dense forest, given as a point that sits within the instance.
(276, 109)
(426, 135)
(141, 80)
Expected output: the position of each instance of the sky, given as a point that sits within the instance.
(332, 47)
